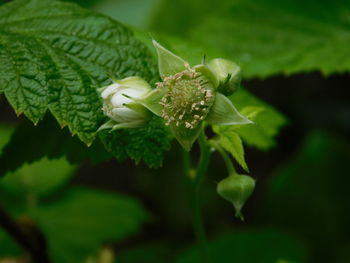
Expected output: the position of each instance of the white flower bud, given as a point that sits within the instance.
(120, 103)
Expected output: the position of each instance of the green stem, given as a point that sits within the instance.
(186, 163)
(230, 168)
(195, 197)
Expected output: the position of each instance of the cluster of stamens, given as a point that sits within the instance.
(187, 99)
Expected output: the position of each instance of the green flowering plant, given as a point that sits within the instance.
(56, 55)
(188, 98)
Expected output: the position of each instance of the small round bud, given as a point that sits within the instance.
(119, 103)
(236, 189)
(228, 74)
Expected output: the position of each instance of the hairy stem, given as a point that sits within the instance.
(195, 197)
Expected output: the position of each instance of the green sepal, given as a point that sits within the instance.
(128, 125)
(169, 63)
(151, 101)
(140, 109)
(202, 68)
(113, 125)
(185, 136)
(223, 112)
(108, 125)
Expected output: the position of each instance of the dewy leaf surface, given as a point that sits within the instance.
(54, 55)
(266, 37)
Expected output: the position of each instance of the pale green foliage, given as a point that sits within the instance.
(264, 37)
(231, 142)
(267, 120)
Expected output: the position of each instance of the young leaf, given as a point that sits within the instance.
(267, 120)
(232, 143)
(54, 55)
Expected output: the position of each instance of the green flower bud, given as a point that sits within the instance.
(228, 74)
(236, 189)
(120, 106)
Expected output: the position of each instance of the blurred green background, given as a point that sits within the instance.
(295, 56)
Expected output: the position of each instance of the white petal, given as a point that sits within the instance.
(119, 99)
(110, 90)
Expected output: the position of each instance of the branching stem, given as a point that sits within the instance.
(230, 168)
(195, 196)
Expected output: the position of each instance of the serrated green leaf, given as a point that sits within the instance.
(54, 55)
(147, 143)
(232, 143)
(267, 120)
(265, 37)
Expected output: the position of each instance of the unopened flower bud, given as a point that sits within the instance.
(236, 189)
(119, 103)
(228, 74)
